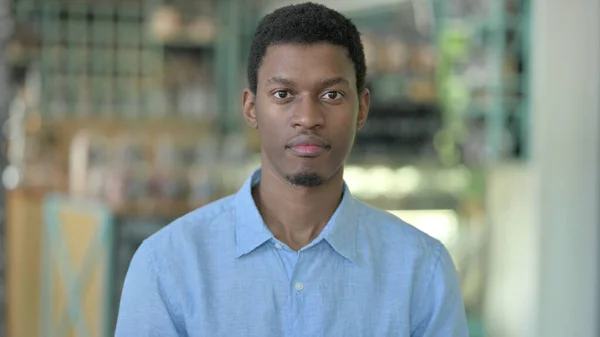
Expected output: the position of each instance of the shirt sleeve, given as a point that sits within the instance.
(440, 309)
(144, 310)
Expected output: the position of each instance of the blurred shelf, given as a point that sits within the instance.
(142, 123)
(162, 210)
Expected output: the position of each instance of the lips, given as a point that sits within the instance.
(308, 146)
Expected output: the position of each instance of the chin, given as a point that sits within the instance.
(310, 177)
(305, 179)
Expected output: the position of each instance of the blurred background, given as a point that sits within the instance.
(119, 116)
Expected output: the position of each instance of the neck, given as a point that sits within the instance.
(296, 215)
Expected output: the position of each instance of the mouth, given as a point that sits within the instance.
(308, 146)
(308, 150)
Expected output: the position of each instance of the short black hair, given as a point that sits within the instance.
(306, 23)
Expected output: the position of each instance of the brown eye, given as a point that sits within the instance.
(281, 94)
(332, 95)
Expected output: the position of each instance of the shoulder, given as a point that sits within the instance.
(401, 246)
(205, 224)
(389, 242)
(388, 229)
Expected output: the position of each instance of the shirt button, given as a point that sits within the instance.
(299, 286)
(278, 246)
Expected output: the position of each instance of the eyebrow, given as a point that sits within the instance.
(325, 82)
(280, 80)
(333, 81)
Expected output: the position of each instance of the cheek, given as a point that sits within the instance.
(345, 129)
(270, 133)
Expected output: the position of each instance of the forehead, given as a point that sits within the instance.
(306, 63)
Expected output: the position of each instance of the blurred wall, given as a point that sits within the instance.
(512, 279)
(545, 277)
(566, 149)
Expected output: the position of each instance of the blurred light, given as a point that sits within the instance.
(441, 224)
(354, 177)
(11, 177)
(382, 181)
(407, 179)
(455, 180)
(166, 23)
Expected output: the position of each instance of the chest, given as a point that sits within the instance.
(319, 294)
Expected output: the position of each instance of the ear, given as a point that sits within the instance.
(249, 105)
(364, 102)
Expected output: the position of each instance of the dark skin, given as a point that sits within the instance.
(310, 91)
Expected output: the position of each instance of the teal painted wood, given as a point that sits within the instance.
(55, 254)
(228, 61)
(495, 124)
(525, 108)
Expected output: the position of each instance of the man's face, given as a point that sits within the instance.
(307, 111)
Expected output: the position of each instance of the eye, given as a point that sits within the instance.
(332, 95)
(281, 94)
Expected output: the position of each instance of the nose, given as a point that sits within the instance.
(308, 114)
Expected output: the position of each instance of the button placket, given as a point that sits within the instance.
(298, 289)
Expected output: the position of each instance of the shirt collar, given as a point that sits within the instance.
(342, 231)
(251, 231)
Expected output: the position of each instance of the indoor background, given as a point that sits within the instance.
(119, 116)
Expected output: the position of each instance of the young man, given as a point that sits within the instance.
(293, 253)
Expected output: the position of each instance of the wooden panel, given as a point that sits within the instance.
(23, 247)
(28, 267)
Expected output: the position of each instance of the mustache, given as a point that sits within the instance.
(304, 139)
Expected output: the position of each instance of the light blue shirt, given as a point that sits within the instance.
(219, 271)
